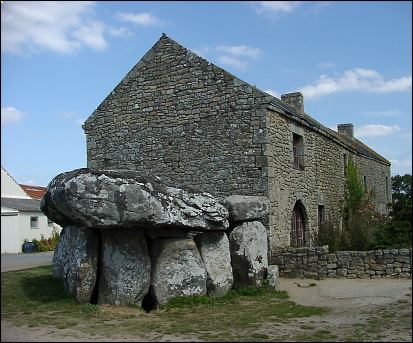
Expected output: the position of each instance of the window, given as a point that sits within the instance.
(345, 164)
(387, 188)
(34, 222)
(365, 183)
(49, 222)
(298, 152)
(321, 215)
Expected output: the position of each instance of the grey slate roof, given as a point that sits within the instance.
(351, 143)
(24, 205)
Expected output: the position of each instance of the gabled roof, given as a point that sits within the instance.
(16, 190)
(24, 205)
(35, 192)
(273, 103)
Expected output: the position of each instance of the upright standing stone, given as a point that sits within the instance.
(273, 277)
(177, 269)
(125, 267)
(75, 261)
(214, 250)
(249, 249)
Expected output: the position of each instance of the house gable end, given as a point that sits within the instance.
(166, 44)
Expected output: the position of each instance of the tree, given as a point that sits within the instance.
(397, 232)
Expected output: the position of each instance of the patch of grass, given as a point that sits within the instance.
(33, 297)
(244, 294)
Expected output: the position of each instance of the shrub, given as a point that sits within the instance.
(48, 244)
(329, 233)
(360, 220)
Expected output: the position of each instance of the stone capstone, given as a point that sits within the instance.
(125, 267)
(75, 261)
(177, 269)
(249, 249)
(243, 208)
(214, 250)
(115, 199)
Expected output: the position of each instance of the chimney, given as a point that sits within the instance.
(346, 130)
(295, 100)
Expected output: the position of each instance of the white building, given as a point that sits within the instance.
(21, 218)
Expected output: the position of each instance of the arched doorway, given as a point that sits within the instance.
(297, 226)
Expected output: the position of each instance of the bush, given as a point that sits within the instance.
(360, 220)
(48, 244)
(329, 233)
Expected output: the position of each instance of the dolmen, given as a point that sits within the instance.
(129, 239)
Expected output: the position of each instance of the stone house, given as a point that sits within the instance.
(193, 124)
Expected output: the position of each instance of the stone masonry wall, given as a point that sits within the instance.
(377, 176)
(318, 263)
(179, 117)
(321, 183)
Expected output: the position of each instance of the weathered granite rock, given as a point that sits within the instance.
(273, 277)
(113, 199)
(249, 249)
(214, 250)
(75, 261)
(177, 269)
(242, 207)
(125, 267)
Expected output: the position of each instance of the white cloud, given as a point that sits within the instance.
(144, 19)
(275, 7)
(375, 130)
(91, 34)
(58, 26)
(237, 56)
(233, 62)
(355, 79)
(120, 32)
(10, 115)
(273, 93)
(240, 50)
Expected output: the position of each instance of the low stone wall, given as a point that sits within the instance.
(318, 263)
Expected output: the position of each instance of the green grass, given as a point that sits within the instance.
(33, 297)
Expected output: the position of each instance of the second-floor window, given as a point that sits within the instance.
(345, 164)
(298, 151)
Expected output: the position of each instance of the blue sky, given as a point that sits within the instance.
(59, 60)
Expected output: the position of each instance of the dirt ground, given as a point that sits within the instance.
(361, 310)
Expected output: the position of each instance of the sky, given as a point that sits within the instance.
(59, 60)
